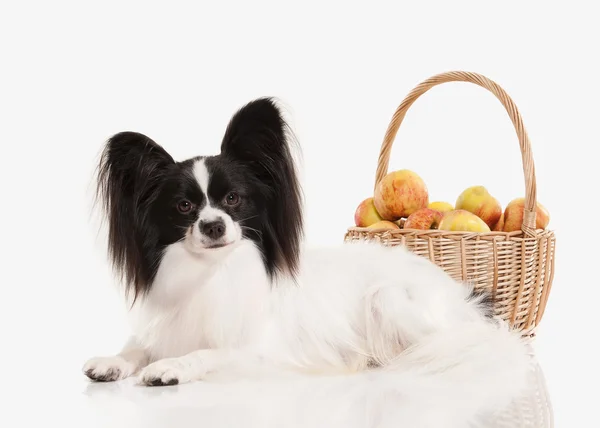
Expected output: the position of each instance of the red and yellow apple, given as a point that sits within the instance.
(462, 220)
(366, 214)
(441, 206)
(384, 224)
(513, 215)
(499, 226)
(423, 219)
(399, 194)
(477, 200)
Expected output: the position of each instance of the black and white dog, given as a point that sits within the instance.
(210, 250)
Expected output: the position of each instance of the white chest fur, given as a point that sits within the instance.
(203, 302)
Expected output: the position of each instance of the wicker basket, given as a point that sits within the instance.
(516, 267)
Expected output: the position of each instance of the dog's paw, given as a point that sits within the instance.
(169, 371)
(108, 369)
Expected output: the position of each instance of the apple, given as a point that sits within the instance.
(441, 206)
(366, 214)
(399, 194)
(513, 215)
(384, 224)
(462, 220)
(477, 200)
(423, 219)
(499, 226)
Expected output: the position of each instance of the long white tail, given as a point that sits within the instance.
(462, 374)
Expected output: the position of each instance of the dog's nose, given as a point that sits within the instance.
(213, 229)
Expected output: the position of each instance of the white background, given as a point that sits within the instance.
(73, 73)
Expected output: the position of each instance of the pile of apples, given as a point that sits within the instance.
(403, 195)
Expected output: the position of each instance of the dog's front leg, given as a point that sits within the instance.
(188, 368)
(107, 369)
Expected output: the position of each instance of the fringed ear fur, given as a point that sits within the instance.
(260, 139)
(129, 174)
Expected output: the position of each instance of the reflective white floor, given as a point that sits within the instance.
(341, 402)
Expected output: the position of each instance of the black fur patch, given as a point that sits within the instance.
(158, 382)
(485, 301)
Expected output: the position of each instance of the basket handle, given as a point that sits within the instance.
(528, 225)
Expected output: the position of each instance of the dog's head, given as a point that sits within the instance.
(206, 204)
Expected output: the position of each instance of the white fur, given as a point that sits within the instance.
(201, 175)
(216, 312)
(110, 368)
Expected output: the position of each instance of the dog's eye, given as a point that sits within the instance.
(232, 198)
(184, 206)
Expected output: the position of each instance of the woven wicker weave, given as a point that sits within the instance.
(516, 267)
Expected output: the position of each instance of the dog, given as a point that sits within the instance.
(212, 257)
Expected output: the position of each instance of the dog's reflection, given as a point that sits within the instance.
(365, 400)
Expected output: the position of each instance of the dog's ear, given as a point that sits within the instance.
(130, 164)
(259, 138)
(130, 171)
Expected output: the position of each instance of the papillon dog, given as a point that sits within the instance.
(210, 251)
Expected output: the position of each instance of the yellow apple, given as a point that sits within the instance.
(477, 200)
(441, 206)
(399, 194)
(462, 220)
(423, 219)
(513, 215)
(384, 224)
(366, 214)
